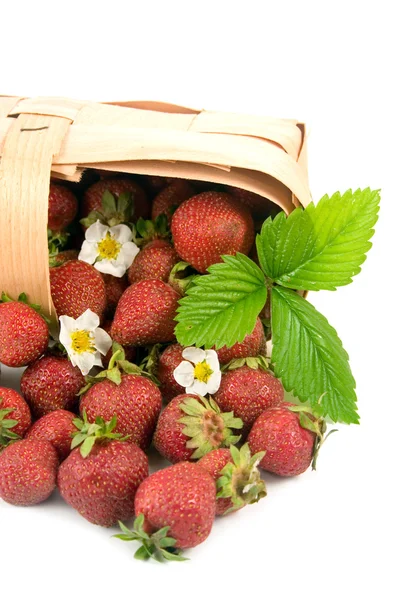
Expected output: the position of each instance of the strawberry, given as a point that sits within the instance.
(93, 199)
(145, 314)
(24, 334)
(133, 399)
(130, 351)
(178, 501)
(59, 258)
(169, 359)
(248, 392)
(290, 436)
(57, 428)
(253, 344)
(169, 198)
(260, 207)
(115, 287)
(154, 261)
(190, 426)
(236, 475)
(63, 207)
(209, 225)
(28, 471)
(51, 383)
(15, 416)
(75, 287)
(100, 478)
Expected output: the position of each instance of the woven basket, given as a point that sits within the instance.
(56, 137)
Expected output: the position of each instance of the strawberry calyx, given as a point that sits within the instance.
(89, 434)
(152, 230)
(240, 479)
(156, 545)
(206, 426)
(114, 210)
(149, 364)
(56, 241)
(254, 362)
(24, 299)
(316, 424)
(7, 436)
(116, 367)
(181, 277)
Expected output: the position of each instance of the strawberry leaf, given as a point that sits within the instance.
(309, 357)
(221, 308)
(323, 246)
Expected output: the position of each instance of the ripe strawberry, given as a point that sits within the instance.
(24, 334)
(135, 401)
(59, 258)
(290, 436)
(154, 261)
(92, 199)
(75, 287)
(100, 478)
(15, 416)
(236, 475)
(169, 198)
(130, 351)
(145, 314)
(253, 344)
(115, 287)
(63, 207)
(57, 428)
(168, 361)
(51, 383)
(209, 225)
(260, 207)
(28, 470)
(190, 426)
(181, 497)
(248, 392)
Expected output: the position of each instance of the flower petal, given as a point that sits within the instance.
(198, 387)
(129, 251)
(102, 341)
(195, 355)
(88, 253)
(184, 373)
(97, 360)
(96, 232)
(88, 320)
(214, 382)
(85, 361)
(67, 325)
(212, 360)
(122, 233)
(110, 267)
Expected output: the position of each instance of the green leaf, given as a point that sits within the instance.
(221, 308)
(309, 357)
(142, 553)
(323, 246)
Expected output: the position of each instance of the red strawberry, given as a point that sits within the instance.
(248, 392)
(209, 225)
(115, 287)
(24, 334)
(236, 475)
(190, 426)
(100, 478)
(28, 470)
(169, 198)
(260, 207)
(145, 314)
(130, 351)
(57, 428)
(289, 438)
(135, 401)
(63, 207)
(15, 416)
(181, 497)
(56, 260)
(154, 261)
(168, 361)
(253, 344)
(93, 196)
(75, 287)
(51, 383)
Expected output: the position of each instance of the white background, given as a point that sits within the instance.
(329, 534)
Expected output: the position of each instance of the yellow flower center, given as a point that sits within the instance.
(108, 248)
(203, 371)
(82, 341)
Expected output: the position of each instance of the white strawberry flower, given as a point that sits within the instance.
(200, 372)
(84, 340)
(109, 249)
